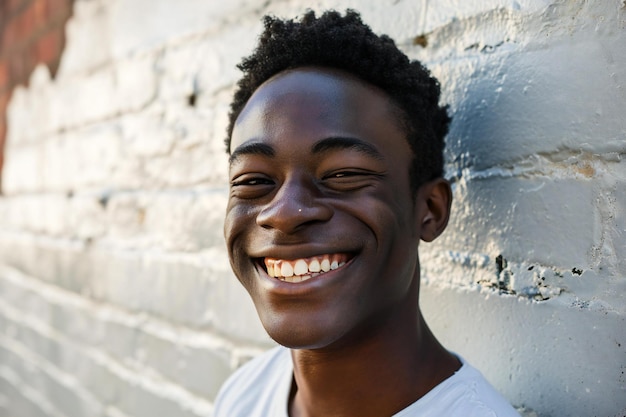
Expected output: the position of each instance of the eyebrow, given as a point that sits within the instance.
(251, 148)
(337, 143)
(321, 146)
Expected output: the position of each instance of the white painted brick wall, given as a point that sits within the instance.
(116, 296)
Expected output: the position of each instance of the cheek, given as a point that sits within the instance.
(236, 230)
(388, 214)
(237, 221)
(390, 220)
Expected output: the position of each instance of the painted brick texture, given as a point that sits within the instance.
(116, 295)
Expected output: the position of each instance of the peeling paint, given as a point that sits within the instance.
(421, 40)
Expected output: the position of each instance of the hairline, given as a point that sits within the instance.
(395, 108)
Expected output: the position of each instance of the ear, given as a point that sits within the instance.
(433, 205)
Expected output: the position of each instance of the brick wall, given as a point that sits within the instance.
(31, 32)
(116, 297)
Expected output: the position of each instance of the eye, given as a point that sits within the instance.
(349, 180)
(343, 174)
(251, 182)
(346, 173)
(250, 186)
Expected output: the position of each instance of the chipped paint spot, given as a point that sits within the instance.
(421, 40)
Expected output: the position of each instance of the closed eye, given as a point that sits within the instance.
(350, 180)
(251, 182)
(347, 173)
(249, 186)
(344, 174)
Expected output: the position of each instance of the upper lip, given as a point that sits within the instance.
(297, 252)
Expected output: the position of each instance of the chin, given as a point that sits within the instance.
(306, 342)
(300, 341)
(302, 334)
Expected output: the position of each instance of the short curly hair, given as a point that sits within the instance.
(346, 43)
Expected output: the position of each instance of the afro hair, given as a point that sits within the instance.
(346, 43)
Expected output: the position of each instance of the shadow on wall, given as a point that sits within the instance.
(535, 150)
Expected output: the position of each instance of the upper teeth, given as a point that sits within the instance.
(302, 269)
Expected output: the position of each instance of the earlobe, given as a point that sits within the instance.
(435, 201)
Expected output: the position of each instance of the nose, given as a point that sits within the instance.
(295, 205)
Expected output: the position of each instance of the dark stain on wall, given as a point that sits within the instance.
(421, 40)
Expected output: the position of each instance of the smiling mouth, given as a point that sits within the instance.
(299, 270)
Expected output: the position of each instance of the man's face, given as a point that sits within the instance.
(321, 226)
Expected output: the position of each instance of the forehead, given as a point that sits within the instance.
(319, 102)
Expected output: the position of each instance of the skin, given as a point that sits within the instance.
(319, 165)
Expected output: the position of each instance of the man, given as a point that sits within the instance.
(336, 143)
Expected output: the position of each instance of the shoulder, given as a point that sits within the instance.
(465, 394)
(258, 387)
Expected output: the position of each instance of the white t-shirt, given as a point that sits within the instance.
(261, 389)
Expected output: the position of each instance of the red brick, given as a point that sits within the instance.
(61, 9)
(5, 77)
(31, 58)
(10, 35)
(18, 65)
(3, 129)
(15, 5)
(4, 100)
(27, 24)
(48, 46)
(3, 132)
(38, 8)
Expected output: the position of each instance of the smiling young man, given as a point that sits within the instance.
(336, 162)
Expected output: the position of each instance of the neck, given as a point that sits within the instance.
(391, 367)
